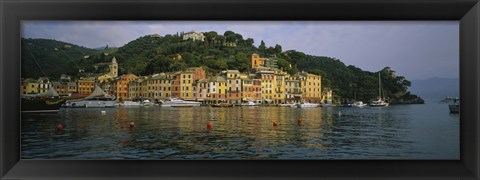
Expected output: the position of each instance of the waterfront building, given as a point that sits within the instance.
(121, 86)
(201, 90)
(217, 89)
(160, 86)
(267, 75)
(327, 96)
(64, 88)
(279, 86)
(311, 85)
(176, 84)
(29, 86)
(138, 88)
(86, 85)
(198, 73)
(252, 90)
(186, 88)
(194, 35)
(234, 85)
(293, 91)
(43, 84)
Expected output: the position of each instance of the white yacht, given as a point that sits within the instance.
(147, 103)
(173, 102)
(287, 105)
(131, 103)
(307, 105)
(250, 103)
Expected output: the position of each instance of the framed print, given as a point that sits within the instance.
(239, 89)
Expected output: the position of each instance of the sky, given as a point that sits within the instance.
(414, 49)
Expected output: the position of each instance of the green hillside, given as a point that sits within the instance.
(50, 58)
(153, 54)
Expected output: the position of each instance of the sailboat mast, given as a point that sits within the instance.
(379, 90)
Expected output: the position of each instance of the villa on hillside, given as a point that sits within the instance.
(194, 35)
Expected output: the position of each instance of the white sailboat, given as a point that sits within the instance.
(380, 102)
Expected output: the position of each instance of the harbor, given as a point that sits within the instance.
(243, 132)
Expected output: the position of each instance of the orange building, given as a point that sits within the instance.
(176, 84)
(121, 86)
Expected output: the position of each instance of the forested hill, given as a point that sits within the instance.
(153, 53)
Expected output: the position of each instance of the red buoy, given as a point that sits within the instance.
(132, 124)
(59, 127)
(209, 125)
(275, 124)
(299, 120)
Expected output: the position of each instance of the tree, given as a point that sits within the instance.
(278, 49)
(262, 46)
(249, 41)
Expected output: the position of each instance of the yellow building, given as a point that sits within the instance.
(279, 86)
(107, 80)
(186, 87)
(327, 96)
(311, 85)
(257, 61)
(29, 86)
(86, 85)
(293, 90)
(217, 89)
(268, 84)
(160, 86)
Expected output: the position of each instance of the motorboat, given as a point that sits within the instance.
(131, 103)
(307, 105)
(287, 105)
(250, 103)
(222, 105)
(359, 104)
(173, 102)
(147, 103)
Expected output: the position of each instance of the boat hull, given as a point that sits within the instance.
(91, 104)
(41, 105)
(222, 105)
(307, 105)
(454, 109)
(180, 105)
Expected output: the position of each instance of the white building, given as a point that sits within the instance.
(194, 35)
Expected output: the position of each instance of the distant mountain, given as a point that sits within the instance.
(435, 89)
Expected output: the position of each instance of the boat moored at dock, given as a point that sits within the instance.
(173, 102)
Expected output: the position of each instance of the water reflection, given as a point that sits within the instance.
(396, 132)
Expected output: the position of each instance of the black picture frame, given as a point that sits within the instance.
(467, 12)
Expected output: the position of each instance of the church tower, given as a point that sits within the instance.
(114, 67)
